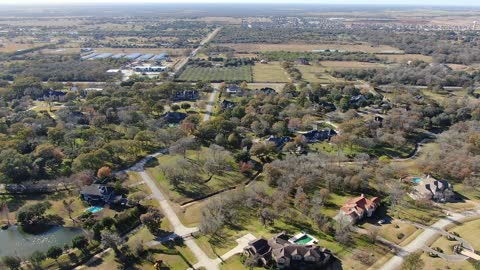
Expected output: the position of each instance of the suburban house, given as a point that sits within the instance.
(226, 104)
(174, 117)
(326, 106)
(358, 99)
(97, 194)
(319, 135)
(279, 141)
(186, 95)
(432, 189)
(358, 208)
(233, 89)
(287, 255)
(267, 91)
(53, 95)
(302, 61)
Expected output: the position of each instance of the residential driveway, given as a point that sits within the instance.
(170, 214)
(179, 228)
(420, 242)
(211, 102)
(242, 243)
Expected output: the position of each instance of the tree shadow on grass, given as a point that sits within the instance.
(153, 162)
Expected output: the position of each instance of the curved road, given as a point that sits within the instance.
(428, 234)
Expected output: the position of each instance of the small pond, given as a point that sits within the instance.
(14, 242)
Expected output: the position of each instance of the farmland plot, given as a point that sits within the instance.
(217, 74)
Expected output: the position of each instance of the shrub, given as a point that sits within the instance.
(400, 236)
(12, 262)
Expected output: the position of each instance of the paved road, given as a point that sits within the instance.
(179, 228)
(184, 61)
(170, 214)
(427, 235)
(210, 105)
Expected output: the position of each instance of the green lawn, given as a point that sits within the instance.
(271, 72)
(217, 74)
(316, 73)
(410, 211)
(174, 257)
(465, 231)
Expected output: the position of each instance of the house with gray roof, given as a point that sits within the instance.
(279, 251)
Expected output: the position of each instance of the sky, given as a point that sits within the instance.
(346, 2)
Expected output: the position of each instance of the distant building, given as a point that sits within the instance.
(233, 89)
(303, 61)
(227, 104)
(358, 208)
(132, 56)
(174, 117)
(268, 91)
(319, 135)
(93, 89)
(53, 95)
(186, 95)
(357, 99)
(286, 255)
(327, 106)
(150, 69)
(279, 141)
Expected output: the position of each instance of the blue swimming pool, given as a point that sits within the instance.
(94, 209)
(416, 180)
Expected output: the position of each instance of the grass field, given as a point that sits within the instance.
(235, 74)
(9, 47)
(349, 64)
(315, 73)
(255, 47)
(405, 57)
(271, 72)
(441, 264)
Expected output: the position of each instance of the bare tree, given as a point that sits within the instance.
(68, 207)
(217, 161)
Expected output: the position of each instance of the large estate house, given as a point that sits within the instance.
(280, 251)
(186, 95)
(357, 208)
(97, 194)
(431, 189)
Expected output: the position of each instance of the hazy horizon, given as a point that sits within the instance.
(465, 3)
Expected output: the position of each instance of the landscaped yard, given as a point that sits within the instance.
(441, 264)
(15, 202)
(172, 257)
(217, 74)
(408, 210)
(271, 72)
(399, 236)
(465, 231)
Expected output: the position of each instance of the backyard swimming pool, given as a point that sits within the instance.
(303, 240)
(416, 180)
(94, 209)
